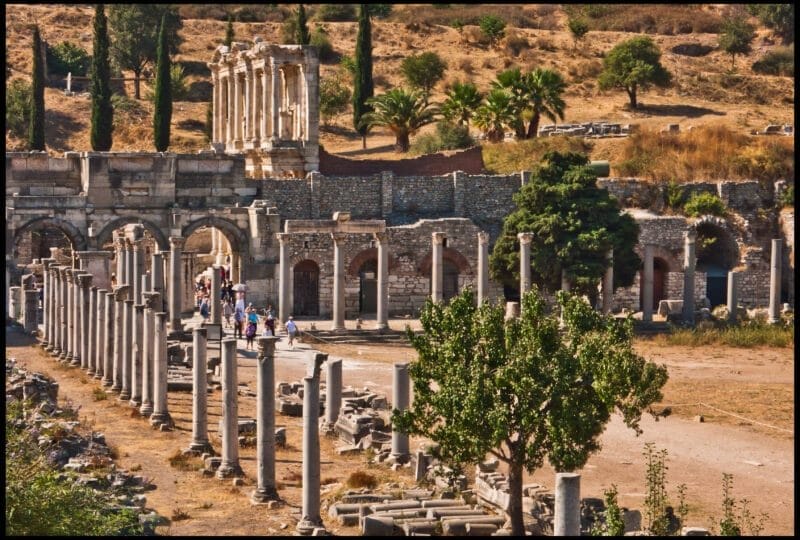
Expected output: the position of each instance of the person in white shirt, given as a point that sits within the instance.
(291, 329)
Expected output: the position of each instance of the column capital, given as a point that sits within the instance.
(66, 271)
(121, 292)
(151, 300)
(338, 237)
(283, 237)
(438, 237)
(525, 238)
(266, 346)
(483, 238)
(85, 280)
(381, 237)
(101, 291)
(177, 241)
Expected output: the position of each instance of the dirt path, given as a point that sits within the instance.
(760, 458)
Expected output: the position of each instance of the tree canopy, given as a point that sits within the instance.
(736, 37)
(423, 70)
(402, 112)
(134, 29)
(462, 101)
(778, 17)
(533, 95)
(303, 36)
(524, 390)
(634, 65)
(574, 224)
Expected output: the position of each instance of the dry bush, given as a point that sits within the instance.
(580, 71)
(473, 36)
(511, 157)
(515, 15)
(545, 44)
(513, 44)
(487, 63)
(652, 18)
(361, 479)
(465, 65)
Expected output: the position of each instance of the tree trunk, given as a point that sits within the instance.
(519, 129)
(402, 142)
(533, 127)
(733, 62)
(632, 97)
(364, 142)
(136, 75)
(515, 499)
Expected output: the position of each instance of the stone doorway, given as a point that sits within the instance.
(368, 287)
(449, 280)
(306, 289)
(716, 285)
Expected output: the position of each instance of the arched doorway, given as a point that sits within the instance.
(449, 279)
(306, 289)
(368, 287)
(660, 269)
(717, 253)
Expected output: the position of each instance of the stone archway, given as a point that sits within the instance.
(305, 288)
(76, 239)
(717, 254)
(235, 237)
(105, 234)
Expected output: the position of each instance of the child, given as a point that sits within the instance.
(291, 329)
(250, 333)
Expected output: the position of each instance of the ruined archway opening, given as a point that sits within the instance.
(660, 270)
(305, 289)
(36, 243)
(368, 287)
(717, 253)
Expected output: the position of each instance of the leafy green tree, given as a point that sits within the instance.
(495, 114)
(578, 27)
(18, 108)
(462, 101)
(778, 17)
(363, 86)
(303, 36)
(423, 70)
(515, 84)
(403, 113)
(134, 30)
(67, 58)
(162, 115)
(736, 37)
(334, 96)
(634, 65)
(533, 94)
(524, 390)
(101, 136)
(574, 223)
(493, 27)
(229, 35)
(36, 127)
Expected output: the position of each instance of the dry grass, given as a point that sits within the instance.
(361, 479)
(510, 157)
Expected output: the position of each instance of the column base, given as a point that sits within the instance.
(98, 375)
(90, 372)
(44, 344)
(305, 527)
(230, 471)
(55, 351)
(116, 387)
(401, 458)
(76, 363)
(264, 495)
(338, 327)
(106, 382)
(381, 327)
(198, 448)
(135, 402)
(161, 421)
(64, 356)
(146, 409)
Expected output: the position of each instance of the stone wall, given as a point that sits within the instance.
(469, 160)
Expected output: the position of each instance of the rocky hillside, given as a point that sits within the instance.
(705, 90)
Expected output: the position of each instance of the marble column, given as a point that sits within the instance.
(137, 263)
(338, 280)
(137, 354)
(160, 417)
(119, 257)
(688, 276)
(228, 81)
(176, 246)
(84, 283)
(733, 295)
(45, 341)
(200, 442)
(248, 105)
(276, 102)
(120, 294)
(30, 304)
(157, 278)
(333, 394)
(382, 315)
(127, 348)
(264, 103)
(55, 309)
(525, 239)
(49, 287)
(216, 305)
(437, 266)
(215, 91)
(91, 331)
(100, 344)
(230, 414)
(66, 283)
(647, 284)
(109, 332)
(483, 267)
(775, 282)
(238, 118)
(265, 421)
(129, 265)
(283, 279)
(152, 301)
(567, 515)
(400, 402)
(608, 284)
(16, 301)
(76, 330)
(310, 518)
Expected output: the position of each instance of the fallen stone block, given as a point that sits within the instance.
(377, 526)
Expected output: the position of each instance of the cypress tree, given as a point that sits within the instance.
(228, 33)
(303, 37)
(102, 111)
(363, 85)
(36, 128)
(162, 115)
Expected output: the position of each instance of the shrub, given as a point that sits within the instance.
(510, 157)
(67, 57)
(319, 39)
(777, 62)
(336, 13)
(493, 27)
(424, 70)
(448, 136)
(334, 97)
(514, 44)
(18, 107)
(786, 199)
(700, 204)
(360, 479)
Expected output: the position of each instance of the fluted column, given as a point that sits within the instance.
(109, 331)
(382, 314)
(608, 283)
(283, 280)
(119, 257)
(276, 103)
(120, 294)
(215, 91)
(437, 266)
(483, 267)
(176, 247)
(525, 239)
(129, 265)
(265, 112)
(230, 414)
(229, 107)
(74, 318)
(100, 344)
(91, 331)
(248, 105)
(50, 300)
(775, 282)
(237, 109)
(46, 337)
(137, 355)
(338, 280)
(688, 276)
(64, 289)
(152, 301)
(137, 263)
(160, 417)
(647, 278)
(200, 441)
(265, 421)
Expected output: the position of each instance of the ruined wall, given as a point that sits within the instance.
(469, 161)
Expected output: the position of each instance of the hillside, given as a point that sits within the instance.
(704, 92)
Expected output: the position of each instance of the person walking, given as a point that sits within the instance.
(227, 311)
(291, 329)
(205, 309)
(270, 320)
(252, 328)
(238, 322)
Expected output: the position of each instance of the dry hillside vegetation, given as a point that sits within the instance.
(705, 91)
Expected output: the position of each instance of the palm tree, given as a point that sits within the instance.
(404, 113)
(462, 100)
(514, 83)
(545, 87)
(495, 114)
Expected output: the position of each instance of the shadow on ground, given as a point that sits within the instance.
(690, 111)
